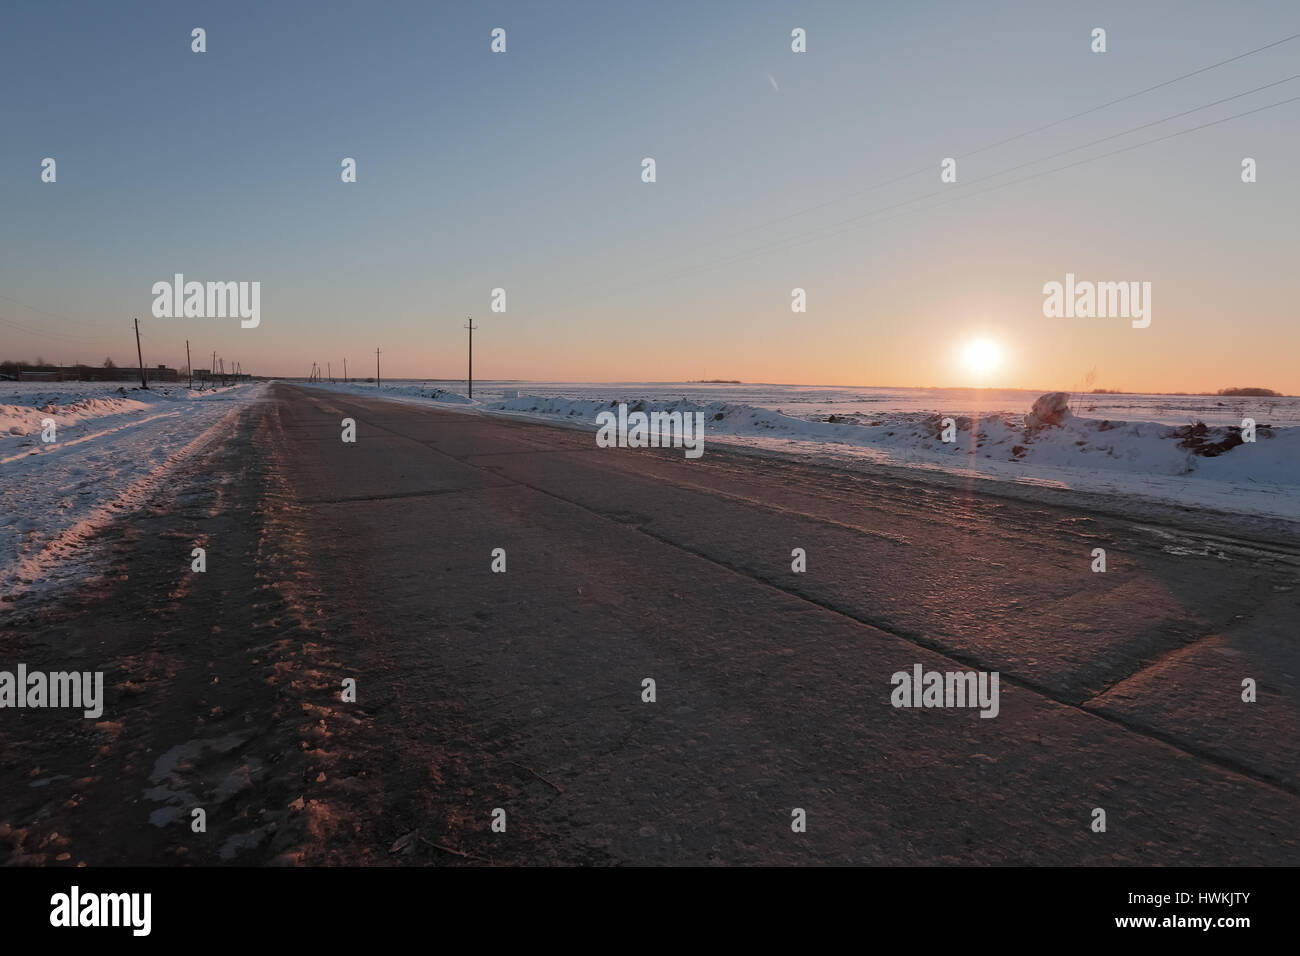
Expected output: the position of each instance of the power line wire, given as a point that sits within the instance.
(855, 223)
(56, 315)
(17, 326)
(1032, 162)
(1130, 96)
(1002, 142)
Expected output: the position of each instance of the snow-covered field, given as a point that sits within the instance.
(112, 443)
(1145, 445)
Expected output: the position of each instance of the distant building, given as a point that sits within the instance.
(160, 373)
(205, 376)
(96, 373)
(40, 373)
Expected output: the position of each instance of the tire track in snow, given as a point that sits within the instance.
(64, 555)
(59, 446)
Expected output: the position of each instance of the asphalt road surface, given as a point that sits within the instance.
(523, 691)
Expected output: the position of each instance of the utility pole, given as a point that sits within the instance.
(469, 324)
(376, 369)
(139, 355)
(345, 371)
(329, 371)
(212, 372)
(188, 364)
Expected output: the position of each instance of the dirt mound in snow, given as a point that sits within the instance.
(1199, 438)
(1050, 410)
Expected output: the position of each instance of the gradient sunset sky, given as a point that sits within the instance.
(523, 171)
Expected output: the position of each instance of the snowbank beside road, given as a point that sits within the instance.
(25, 405)
(1138, 447)
(111, 444)
(1179, 464)
(1190, 464)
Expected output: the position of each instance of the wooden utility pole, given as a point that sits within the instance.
(345, 371)
(469, 324)
(329, 371)
(188, 364)
(139, 355)
(376, 368)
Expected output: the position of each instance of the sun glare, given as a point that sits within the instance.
(982, 356)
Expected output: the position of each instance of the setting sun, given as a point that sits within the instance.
(982, 356)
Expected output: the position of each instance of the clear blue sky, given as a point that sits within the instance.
(522, 171)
